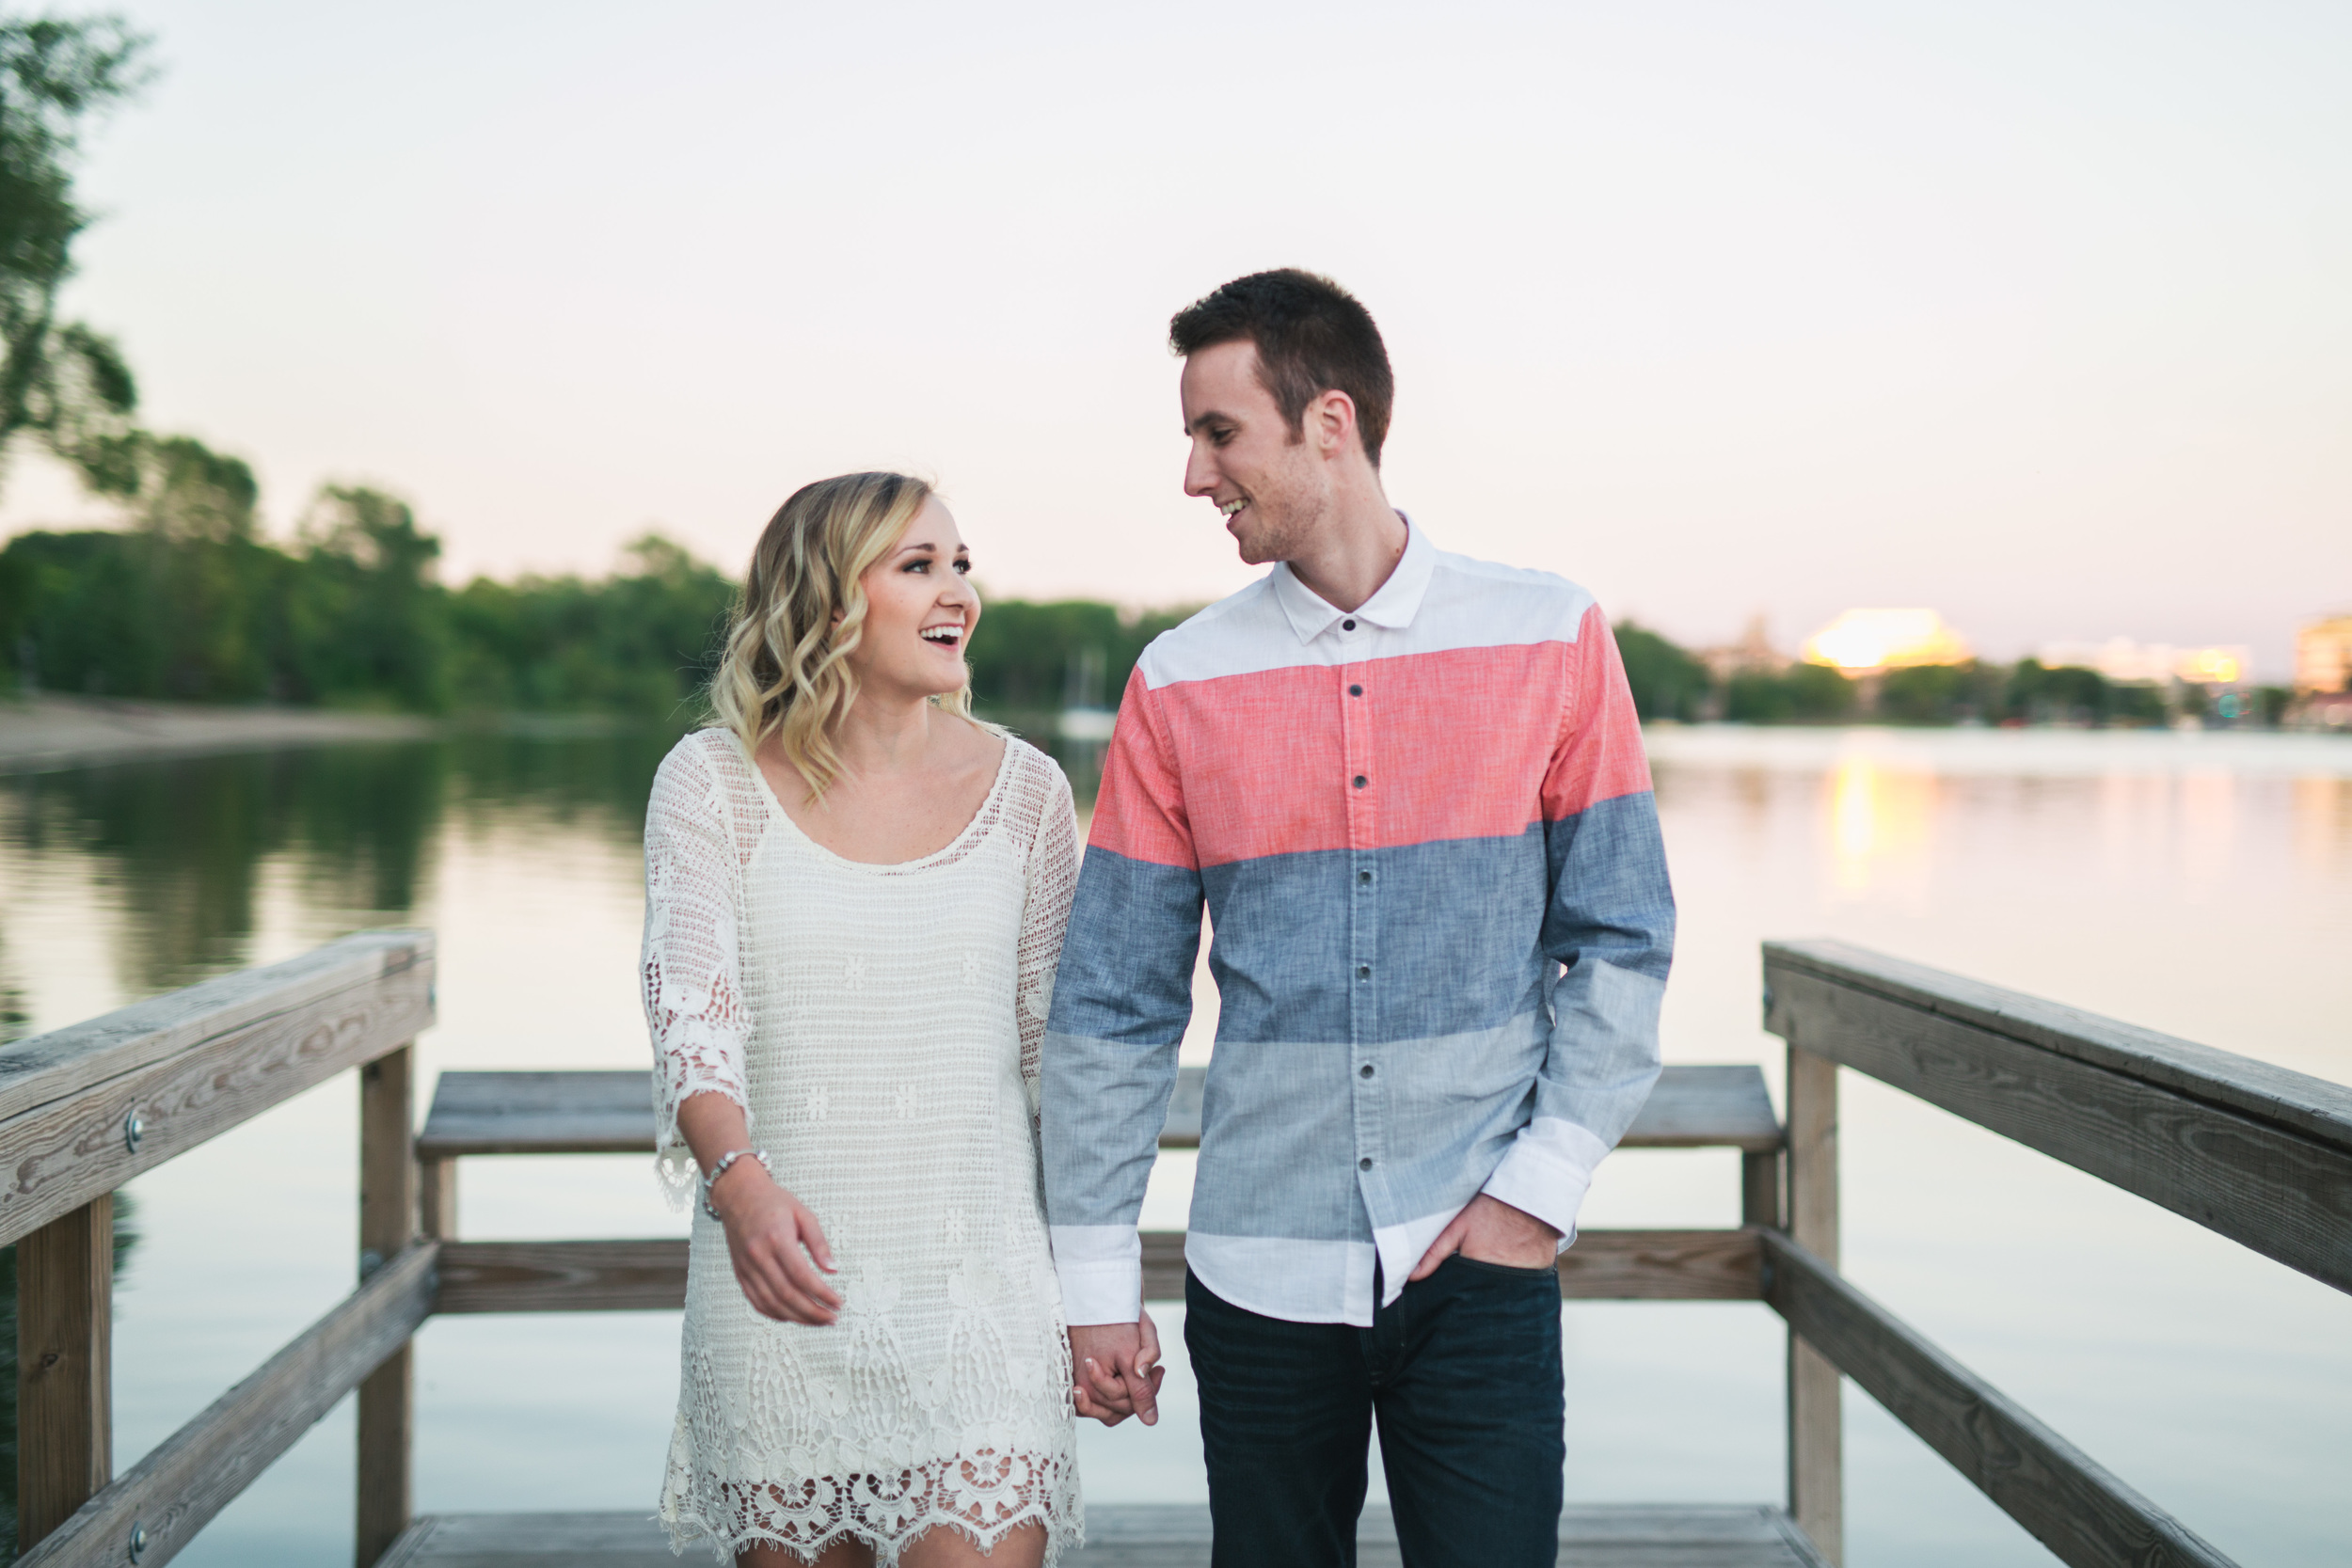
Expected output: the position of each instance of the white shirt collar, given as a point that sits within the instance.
(1393, 607)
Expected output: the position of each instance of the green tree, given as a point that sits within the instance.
(59, 379)
(175, 485)
(2056, 694)
(1802, 693)
(1940, 693)
(1030, 657)
(1668, 682)
(368, 622)
(641, 641)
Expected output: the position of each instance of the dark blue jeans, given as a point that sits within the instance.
(1463, 1373)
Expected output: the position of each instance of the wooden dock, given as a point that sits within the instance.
(1133, 1536)
(2257, 1154)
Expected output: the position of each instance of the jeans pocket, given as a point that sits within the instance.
(1507, 1271)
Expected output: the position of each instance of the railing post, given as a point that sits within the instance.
(1760, 1188)
(437, 1198)
(388, 1222)
(64, 1367)
(1816, 1428)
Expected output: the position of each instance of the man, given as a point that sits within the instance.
(1411, 788)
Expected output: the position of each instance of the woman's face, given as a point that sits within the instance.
(920, 610)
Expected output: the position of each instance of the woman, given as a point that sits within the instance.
(854, 899)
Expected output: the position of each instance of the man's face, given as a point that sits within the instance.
(1271, 486)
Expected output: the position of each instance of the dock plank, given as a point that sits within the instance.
(1707, 1107)
(612, 1113)
(539, 1113)
(1141, 1536)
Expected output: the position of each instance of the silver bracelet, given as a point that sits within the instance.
(719, 1169)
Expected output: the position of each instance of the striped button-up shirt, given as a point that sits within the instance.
(1442, 926)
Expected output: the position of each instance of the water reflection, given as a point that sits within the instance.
(176, 853)
(2323, 826)
(2208, 830)
(1881, 822)
(172, 859)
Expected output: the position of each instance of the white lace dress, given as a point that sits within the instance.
(880, 1025)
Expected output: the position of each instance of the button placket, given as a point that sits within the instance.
(1363, 978)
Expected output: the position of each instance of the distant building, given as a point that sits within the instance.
(2120, 659)
(1754, 653)
(1865, 642)
(2323, 657)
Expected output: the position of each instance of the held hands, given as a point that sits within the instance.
(1118, 1370)
(776, 1246)
(1491, 1232)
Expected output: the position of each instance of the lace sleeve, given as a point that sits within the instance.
(689, 971)
(1053, 879)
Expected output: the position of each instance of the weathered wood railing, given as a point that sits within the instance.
(604, 1112)
(85, 1109)
(2258, 1153)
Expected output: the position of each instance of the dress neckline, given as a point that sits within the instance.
(973, 829)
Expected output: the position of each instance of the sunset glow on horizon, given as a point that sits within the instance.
(1865, 640)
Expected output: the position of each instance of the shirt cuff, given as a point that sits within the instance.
(1100, 1269)
(1546, 1172)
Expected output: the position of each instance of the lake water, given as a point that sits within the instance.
(2197, 884)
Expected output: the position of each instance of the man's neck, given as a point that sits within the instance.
(1356, 549)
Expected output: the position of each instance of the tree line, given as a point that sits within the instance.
(1669, 682)
(349, 615)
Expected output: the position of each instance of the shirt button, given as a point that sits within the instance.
(1364, 1164)
(1363, 972)
(1347, 625)
(1364, 876)
(1355, 690)
(1364, 1071)
(1359, 781)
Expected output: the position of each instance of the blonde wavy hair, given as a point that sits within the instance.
(786, 671)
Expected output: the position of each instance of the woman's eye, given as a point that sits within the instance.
(918, 565)
(964, 566)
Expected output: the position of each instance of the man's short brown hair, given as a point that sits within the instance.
(1313, 337)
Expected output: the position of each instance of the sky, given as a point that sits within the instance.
(2038, 314)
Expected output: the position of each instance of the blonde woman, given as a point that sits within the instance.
(854, 899)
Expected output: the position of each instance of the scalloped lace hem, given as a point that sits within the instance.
(890, 1518)
(1059, 1536)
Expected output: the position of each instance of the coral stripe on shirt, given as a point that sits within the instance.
(1269, 759)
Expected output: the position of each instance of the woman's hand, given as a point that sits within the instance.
(776, 1246)
(1118, 1370)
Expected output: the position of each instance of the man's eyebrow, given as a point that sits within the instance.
(1204, 417)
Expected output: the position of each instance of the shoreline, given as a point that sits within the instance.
(44, 733)
(1958, 751)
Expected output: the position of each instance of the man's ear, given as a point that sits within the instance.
(1332, 419)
